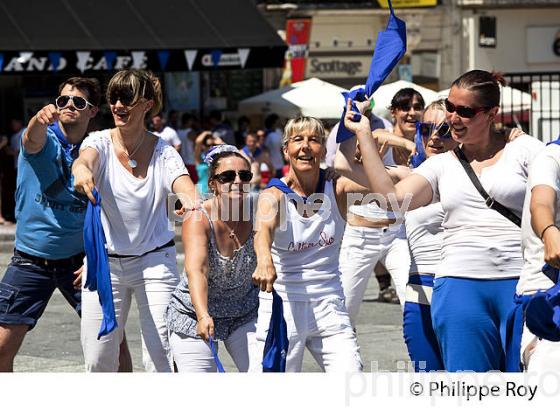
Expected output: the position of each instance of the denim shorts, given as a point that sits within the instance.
(28, 285)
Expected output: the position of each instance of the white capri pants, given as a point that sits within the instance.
(151, 278)
(194, 354)
(360, 251)
(322, 326)
(539, 355)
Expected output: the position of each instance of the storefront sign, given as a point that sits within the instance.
(338, 67)
(407, 3)
(83, 61)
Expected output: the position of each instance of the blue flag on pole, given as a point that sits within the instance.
(98, 273)
(389, 49)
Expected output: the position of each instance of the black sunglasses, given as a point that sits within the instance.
(427, 129)
(79, 103)
(126, 97)
(462, 111)
(406, 107)
(229, 176)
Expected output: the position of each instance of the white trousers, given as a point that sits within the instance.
(322, 326)
(194, 355)
(360, 251)
(151, 278)
(539, 355)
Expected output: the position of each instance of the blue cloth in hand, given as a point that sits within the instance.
(390, 47)
(98, 273)
(276, 344)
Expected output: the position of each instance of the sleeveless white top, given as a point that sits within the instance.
(305, 251)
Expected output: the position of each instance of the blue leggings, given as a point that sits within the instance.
(419, 335)
(469, 318)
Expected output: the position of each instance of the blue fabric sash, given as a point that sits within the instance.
(422, 280)
(277, 343)
(98, 273)
(216, 357)
(420, 155)
(281, 185)
(514, 330)
(390, 47)
(542, 314)
(69, 149)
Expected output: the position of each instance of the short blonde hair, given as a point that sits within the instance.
(300, 124)
(436, 105)
(142, 83)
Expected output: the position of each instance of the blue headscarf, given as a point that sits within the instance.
(277, 343)
(390, 47)
(98, 273)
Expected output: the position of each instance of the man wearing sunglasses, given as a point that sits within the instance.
(49, 246)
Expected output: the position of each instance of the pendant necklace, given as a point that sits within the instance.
(131, 162)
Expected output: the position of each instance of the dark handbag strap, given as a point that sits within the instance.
(490, 202)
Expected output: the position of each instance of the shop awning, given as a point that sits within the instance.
(167, 35)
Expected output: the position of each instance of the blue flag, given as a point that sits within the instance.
(276, 344)
(420, 154)
(98, 273)
(389, 49)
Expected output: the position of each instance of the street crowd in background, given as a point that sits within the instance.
(460, 221)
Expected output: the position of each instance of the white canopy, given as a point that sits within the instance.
(511, 100)
(385, 93)
(312, 97)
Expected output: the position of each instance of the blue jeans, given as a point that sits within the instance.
(28, 284)
(469, 318)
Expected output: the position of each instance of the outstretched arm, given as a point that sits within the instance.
(414, 188)
(83, 169)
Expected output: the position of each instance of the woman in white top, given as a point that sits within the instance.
(481, 254)
(424, 231)
(299, 227)
(134, 172)
(540, 234)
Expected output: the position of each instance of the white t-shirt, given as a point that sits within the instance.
(187, 145)
(305, 252)
(424, 231)
(273, 142)
(169, 135)
(134, 211)
(479, 242)
(544, 170)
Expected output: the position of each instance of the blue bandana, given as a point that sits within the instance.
(420, 155)
(390, 47)
(98, 273)
(542, 314)
(71, 151)
(281, 185)
(277, 343)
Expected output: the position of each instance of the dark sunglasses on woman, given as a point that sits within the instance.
(229, 176)
(125, 96)
(463, 111)
(427, 129)
(79, 103)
